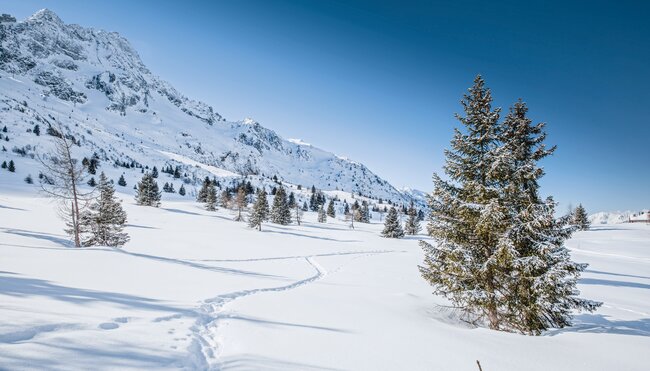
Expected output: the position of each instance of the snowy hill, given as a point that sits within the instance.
(616, 217)
(93, 84)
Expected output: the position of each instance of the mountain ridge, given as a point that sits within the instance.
(93, 82)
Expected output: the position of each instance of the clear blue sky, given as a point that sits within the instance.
(379, 82)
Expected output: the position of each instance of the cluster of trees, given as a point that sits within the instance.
(92, 217)
(393, 227)
(10, 166)
(499, 255)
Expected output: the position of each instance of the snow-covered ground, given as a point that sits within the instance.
(196, 290)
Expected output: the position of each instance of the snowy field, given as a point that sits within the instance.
(196, 290)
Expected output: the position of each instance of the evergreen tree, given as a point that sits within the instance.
(292, 200)
(330, 209)
(181, 190)
(103, 222)
(11, 167)
(92, 182)
(580, 218)
(304, 206)
(154, 172)
(203, 192)
(211, 198)
(177, 172)
(28, 179)
(147, 193)
(37, 130)
(4, 164)
(121, 182)
(499, 256)
(260, 211)
(412, 226)
(280, 212)
(392, 226)
(322, 216)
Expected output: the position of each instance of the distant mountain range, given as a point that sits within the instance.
(93, 84)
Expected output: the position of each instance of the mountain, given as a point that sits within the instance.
(93, 85)
(616, 217)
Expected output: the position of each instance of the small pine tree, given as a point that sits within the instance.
(28, 179)
(92, 182)
(11, 167)
(4, 164)
(177, 172)
(203, 192)
(103, 222)
(280, 212)
(121, 182)
(181, 190)
(154, 172)
(260, 211)
(322, 215)
(412, 226)
(392, 226)
(147, 193)
(580, 218)
(304, 206)
(37, 130)
(330, 209)
(211, 198)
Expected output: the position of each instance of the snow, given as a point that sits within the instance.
(197, 290)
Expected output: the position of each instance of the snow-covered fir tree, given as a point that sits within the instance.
(280, 212)
(211, 197)
(147, 193)
(330, 209)
(392, 226)
(580, 218)
(322, 216)
(412, 225)
(500, 256)
(181, 190)
(103, 222)
(260, 211)
(121, 182)
(203, 192)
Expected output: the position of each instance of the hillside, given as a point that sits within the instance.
(93, 86)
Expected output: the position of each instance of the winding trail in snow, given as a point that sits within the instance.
(206, 345)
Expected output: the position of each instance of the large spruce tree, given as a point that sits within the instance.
(500, 256)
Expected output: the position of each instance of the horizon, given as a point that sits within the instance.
(394, 92)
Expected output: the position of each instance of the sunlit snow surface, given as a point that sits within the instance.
(196, 290)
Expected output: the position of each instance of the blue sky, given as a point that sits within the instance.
(379, 82)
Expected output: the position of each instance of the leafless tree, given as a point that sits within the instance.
(62, 178)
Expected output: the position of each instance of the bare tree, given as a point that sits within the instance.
(241, 203)
(62, 179)
(298, 213)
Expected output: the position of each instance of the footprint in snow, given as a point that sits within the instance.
(108, 326)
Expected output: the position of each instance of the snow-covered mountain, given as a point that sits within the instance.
(94, 85)
(616, 217)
